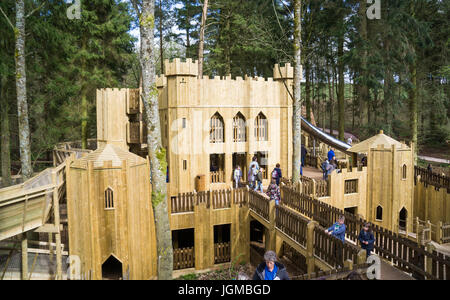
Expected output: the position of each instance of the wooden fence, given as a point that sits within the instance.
(402, 252)
(355, 273)
(430, 178)
(332, 250)
(220, 199)
(312, 160)
(184, 203)
(292, 224)
(183, 258)
(297, 258)
(322, 188)
(222, 253)
(444, 233)
(217, 177)
(259, 203)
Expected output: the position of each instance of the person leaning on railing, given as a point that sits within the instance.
(338, 229)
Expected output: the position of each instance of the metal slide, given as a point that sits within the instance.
(324, 137)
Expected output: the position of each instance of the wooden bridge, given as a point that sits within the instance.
(300, 223)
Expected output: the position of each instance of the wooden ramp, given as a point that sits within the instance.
(27, 206)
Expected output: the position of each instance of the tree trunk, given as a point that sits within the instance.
(308, 91)
(387, 103)
(297, 107)
(341, 87)
(331, 96)
(5, 133)
(413, 106)
(21, 87)
(202, 39)
(156, 152)
(161, 41)
(363, 92)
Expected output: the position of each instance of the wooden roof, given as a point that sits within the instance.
(112, 153)
(374, 142)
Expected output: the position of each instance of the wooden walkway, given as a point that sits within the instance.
(292, 222)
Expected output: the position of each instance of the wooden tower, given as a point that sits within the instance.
(111, 223)
(390, 182)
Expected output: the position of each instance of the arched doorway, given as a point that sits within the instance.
(402, 220)
(112, 269)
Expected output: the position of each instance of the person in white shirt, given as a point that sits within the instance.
(237, 176)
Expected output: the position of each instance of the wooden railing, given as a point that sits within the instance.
(332, 250)
(259, 203)
(322, 188)
(222, 253)
(218, 177)
(295, 200)
(402, 252)
(221, 199)
(430, 178)
(183, 203)
(312, 161)
(292, 224)
(444, 233)
(357, 272)
(294, 256)
(183, 258)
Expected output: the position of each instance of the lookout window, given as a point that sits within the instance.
(239, 130)
(217, 130)
(109, 199)
(261, 128)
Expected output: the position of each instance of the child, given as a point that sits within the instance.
(273, 191)
(367, 239)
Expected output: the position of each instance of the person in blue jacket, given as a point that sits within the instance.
(338, 229)
(271, 269)
(331, 155)
(367, 238)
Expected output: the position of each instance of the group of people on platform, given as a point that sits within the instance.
(272, 269)
(255, 180)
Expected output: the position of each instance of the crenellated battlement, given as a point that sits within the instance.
(285, 72)
(180, 68)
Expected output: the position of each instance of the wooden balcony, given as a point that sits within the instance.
(136, 133)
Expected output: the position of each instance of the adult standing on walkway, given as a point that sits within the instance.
(237, 176)
(367, 238)
(254, 163)
(304, 153)
(251, 177)
(273, 191)
(276, 174)
(271, 269)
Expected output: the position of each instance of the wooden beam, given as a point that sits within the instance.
(49, 228)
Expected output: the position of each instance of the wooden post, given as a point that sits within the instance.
(348, 264)
(440, 233)
(57, 224)
(271, 241)
(310, 259)
(362, 257)
(417, 230)
(24, 274)
(428, 261)
(314, 191)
